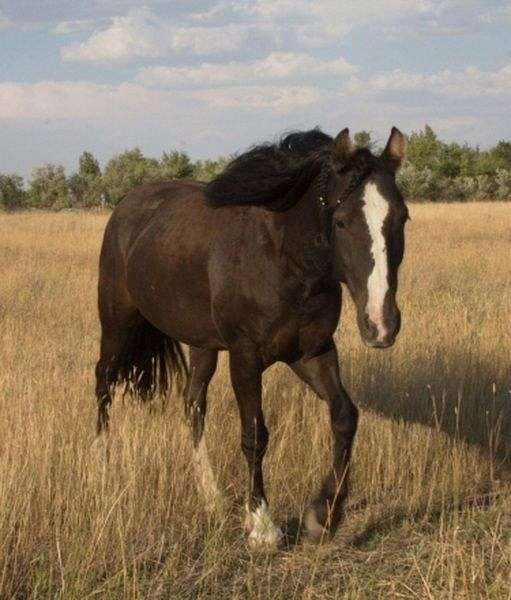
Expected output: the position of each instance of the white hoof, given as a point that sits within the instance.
(264, 534)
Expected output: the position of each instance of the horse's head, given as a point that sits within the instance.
(368, 219)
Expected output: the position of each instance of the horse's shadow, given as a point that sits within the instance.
(386, 518)
(473, 408)
(468, 402)
(484, 421)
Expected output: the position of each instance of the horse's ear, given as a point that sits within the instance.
(395, 150)
(343, 146)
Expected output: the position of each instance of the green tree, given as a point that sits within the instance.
(12, 195)
(88, 166)
(502, 154)
(468, 161)
(176, 165)
(423, 149)
(206, 170)
(362, 139)
(449, 160)
(487, 163)
(78, 187)
(127, 170)
(86, 186)
(48, 188)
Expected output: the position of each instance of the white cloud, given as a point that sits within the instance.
(318, 22)
(69, 27)
(273, 8)
(135, 35)
(228, 25)
(208, 40)
(68, 100)
(217, 10)
(277, 66)
(321, 22)
(232, 25)
(469, 82)
(352, 11)
(281, 99)
(141, 34)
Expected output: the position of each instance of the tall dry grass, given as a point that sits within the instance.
(429, 512)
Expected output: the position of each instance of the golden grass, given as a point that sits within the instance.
(429, 512)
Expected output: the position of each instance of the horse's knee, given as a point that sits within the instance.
(344, 417)
(254, 442)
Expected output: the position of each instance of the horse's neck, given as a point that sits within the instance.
(305, 244)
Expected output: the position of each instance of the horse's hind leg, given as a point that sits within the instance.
(202, 367)
(118, 318)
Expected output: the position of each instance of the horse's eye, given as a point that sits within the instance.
(340, 224)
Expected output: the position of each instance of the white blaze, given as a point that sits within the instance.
(375, 211)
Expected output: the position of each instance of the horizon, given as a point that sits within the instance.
(211, 81)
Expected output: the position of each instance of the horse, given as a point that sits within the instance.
(251, 263)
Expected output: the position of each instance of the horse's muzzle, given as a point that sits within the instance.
(381, 335)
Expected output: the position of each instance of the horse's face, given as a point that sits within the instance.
(368, 236)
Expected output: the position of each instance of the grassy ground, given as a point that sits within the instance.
(430, 511)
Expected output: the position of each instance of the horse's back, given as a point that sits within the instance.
(141, 204)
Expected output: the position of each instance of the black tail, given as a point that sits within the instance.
(149, 363)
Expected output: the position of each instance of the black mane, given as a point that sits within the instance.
(272, 175)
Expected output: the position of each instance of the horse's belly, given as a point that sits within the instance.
(181, 326)
(174, 298)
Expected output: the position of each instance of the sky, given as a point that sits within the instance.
(212, 78)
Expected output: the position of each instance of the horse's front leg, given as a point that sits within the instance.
(246, 372)
(322, 374)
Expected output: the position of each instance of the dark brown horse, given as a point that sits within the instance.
(251, 264)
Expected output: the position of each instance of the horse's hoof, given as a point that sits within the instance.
(264, 534)
(268, 540)
(315, 532)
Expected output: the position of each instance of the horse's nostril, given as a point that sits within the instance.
(370, 327)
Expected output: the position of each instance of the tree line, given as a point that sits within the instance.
(434, 171)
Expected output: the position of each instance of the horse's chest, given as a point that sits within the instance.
(303, 332)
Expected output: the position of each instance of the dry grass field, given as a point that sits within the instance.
(429, 515)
